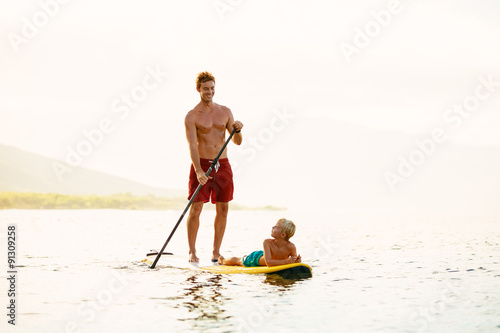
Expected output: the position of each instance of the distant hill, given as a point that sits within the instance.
(22, 171)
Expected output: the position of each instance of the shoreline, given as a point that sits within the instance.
(124, 201)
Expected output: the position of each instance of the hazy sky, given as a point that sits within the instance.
(128, 68)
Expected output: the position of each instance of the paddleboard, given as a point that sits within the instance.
(290, 270)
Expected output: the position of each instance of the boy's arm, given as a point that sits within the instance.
(275, 262)
(293, 254)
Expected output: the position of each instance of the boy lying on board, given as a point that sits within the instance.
(277, 251)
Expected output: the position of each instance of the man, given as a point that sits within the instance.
(206, 125)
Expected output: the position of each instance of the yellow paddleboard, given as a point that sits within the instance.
(299, 269)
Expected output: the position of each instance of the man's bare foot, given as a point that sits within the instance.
(220, 261)
(193, 258)
(215, 257)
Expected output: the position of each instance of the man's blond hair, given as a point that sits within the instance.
(288, 228)
(204, 77)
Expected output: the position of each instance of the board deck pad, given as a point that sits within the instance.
(287, 271)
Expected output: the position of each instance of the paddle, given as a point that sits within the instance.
(192, 199)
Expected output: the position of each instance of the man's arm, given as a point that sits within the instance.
(275, 262)
(237, 137)
(193, 149)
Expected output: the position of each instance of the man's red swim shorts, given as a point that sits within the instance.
(220, 188)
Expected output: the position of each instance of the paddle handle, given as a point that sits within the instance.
(214, 162)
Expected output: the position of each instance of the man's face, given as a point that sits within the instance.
(207, 91)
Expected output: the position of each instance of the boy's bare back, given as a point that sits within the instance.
(279, 252)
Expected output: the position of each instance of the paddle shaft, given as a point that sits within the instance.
(214, 162)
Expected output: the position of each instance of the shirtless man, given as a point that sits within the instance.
(206, 126)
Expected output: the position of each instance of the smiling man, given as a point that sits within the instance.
(206, 127)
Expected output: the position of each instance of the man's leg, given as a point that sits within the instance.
(193, 223)
(221, 210)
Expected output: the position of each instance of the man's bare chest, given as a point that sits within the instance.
(209, 122)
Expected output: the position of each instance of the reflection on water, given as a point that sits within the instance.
(284, 281)
(203, 299)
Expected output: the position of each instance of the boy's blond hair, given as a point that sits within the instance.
(288, 228)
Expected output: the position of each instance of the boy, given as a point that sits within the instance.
(277, 251)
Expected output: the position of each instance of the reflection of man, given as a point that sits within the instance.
(206, 125)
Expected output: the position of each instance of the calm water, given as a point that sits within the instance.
(82, 272)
